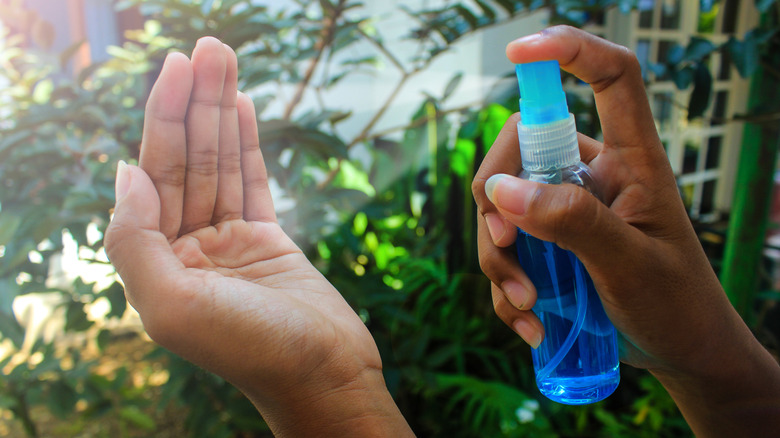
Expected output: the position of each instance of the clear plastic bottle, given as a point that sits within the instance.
(577, 361)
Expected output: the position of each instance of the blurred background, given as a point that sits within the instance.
(373, 116)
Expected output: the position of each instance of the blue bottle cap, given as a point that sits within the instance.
(546, 132)
(542, 99)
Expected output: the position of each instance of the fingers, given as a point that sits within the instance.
(164, 145)
(258, 204)
(201, 146)
(611, 70)
(230, 197)
(140, 252)
(567, 215)
(209, 64)
(524, 322)
(504, 157)
(500, 265)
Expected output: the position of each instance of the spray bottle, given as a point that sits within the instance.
(577, 362)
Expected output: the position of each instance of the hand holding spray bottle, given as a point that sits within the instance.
(577, 362)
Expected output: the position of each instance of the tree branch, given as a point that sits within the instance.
(770, 69)
(383, 49)
(381, 111)
(328, 30)
(421, 121)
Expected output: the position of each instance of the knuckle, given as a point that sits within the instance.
(168, 174)
(628, 60)
(256, 181)
(560, 28)
(568, 211)
(203, 161)
(504, 310)
(478, 189)
(230, 164)
(499, 302)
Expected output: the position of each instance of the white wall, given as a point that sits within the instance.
(480, 57)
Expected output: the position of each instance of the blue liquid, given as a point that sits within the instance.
(577, 362)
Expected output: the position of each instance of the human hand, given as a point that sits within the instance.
(639, 247)
(214, 277)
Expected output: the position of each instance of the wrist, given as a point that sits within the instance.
(730, 387)
(341, 404)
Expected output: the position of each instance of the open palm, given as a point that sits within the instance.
(204, 261)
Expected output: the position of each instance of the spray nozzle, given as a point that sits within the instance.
(546, 131)
(542, 99)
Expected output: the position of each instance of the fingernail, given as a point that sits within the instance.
(515, 193)
(122, 180)
(495, 226)
(527, 39)
(491, 183)
(516, 292)
(528, 332)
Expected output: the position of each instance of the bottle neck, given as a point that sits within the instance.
(548, 146)
(578, 174)
(547, 176)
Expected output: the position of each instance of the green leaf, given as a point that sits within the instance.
(467, 15)
(116, 297)
(359, 224)
(462, 160)
(10, 329)
(683, 77)
(68, 53)
(494, 117)
(8, 292)
(42, 91)
(136, 417)
(9, 224)
(452, 85)
(659, 70)
(87, 72)
(487, 10)
(744, 55)
(675, 55)
(698, 48)
(771, 295)
(509, 6)
(702, 89)
(313, 119)
(103, 339)
(76, 317)
(62, 399)
(8, 402)
(764, 5)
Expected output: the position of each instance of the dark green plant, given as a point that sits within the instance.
(60, 133)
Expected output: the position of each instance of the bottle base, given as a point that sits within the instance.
(580, 390)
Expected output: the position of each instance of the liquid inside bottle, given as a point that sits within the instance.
(577, 361)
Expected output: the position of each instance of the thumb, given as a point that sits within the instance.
(135, 246)
(137, 203)
(567, 215)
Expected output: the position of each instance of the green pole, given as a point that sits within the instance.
(752, 197)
